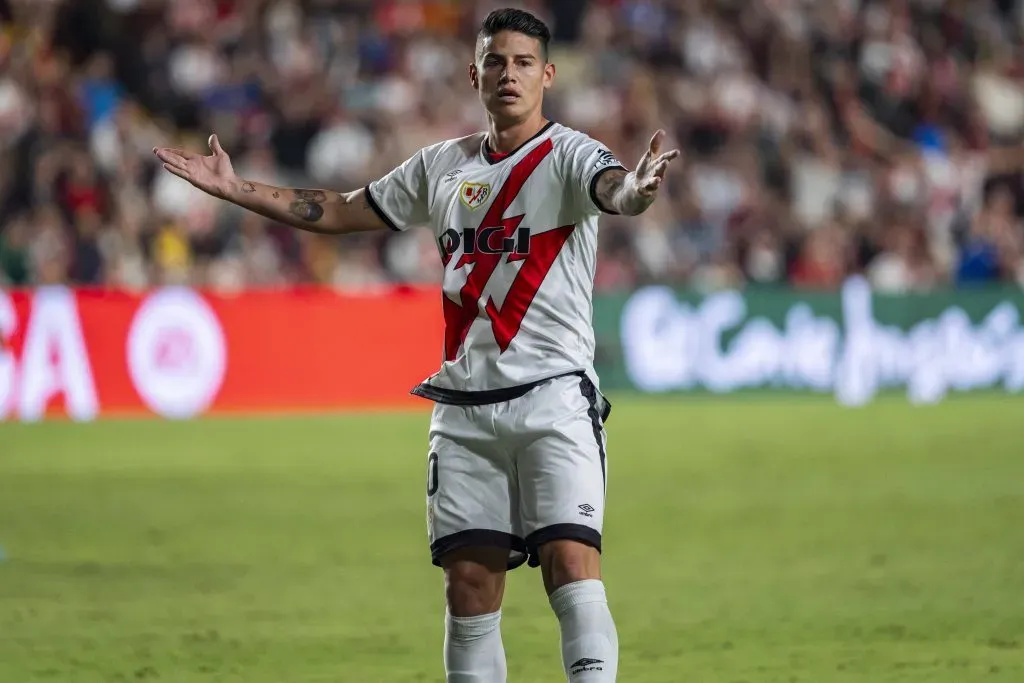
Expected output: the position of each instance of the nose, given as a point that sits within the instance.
(508, 75)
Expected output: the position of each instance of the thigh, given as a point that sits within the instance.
(562, 466)
(472, 497)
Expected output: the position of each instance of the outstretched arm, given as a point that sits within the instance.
(320, 211)
(632, 193)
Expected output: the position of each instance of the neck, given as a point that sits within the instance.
(504, 138)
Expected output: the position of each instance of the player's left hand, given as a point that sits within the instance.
(650, 172)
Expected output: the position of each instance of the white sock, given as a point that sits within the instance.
(590, 645)
(473, 652)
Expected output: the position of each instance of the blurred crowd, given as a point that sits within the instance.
(821, 138)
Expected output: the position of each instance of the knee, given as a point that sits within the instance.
(565, 562)
(473, 587)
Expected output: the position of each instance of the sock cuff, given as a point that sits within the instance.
(471, 627)
(577, 593)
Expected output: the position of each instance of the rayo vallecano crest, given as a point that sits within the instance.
(474, 194)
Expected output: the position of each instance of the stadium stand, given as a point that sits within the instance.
(822, 138)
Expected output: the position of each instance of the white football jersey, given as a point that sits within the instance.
(518, 239)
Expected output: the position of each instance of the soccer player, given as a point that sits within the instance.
(516, 468)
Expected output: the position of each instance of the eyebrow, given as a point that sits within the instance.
(520, 56)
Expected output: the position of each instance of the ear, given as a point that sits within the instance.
(549, 75)
(474, 76)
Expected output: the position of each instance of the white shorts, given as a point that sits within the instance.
(519, 473)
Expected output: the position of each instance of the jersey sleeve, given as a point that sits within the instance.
(400, 197)
(586, 161)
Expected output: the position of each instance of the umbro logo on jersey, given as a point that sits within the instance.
(586, 664)
(452, 176)
(586, 510)
(474, 195)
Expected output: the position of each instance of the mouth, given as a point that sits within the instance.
(508, 96)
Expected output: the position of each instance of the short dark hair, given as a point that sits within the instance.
(519, 21)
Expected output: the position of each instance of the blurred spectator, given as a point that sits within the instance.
(822, 137)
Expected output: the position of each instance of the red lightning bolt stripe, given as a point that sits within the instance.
(544, 249)
(459, 317)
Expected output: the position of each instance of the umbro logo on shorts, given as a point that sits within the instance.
(586, 664)
(585, 510)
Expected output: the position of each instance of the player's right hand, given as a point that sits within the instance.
(212, 174)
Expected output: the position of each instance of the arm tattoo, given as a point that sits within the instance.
(248, 188)
(612, 194)
(277, 195)
(307, 204)
(306, 211)
(608, 186)
(315, 196)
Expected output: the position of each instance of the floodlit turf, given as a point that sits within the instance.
(761, 540)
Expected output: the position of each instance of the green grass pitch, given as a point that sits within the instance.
(761, 540)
